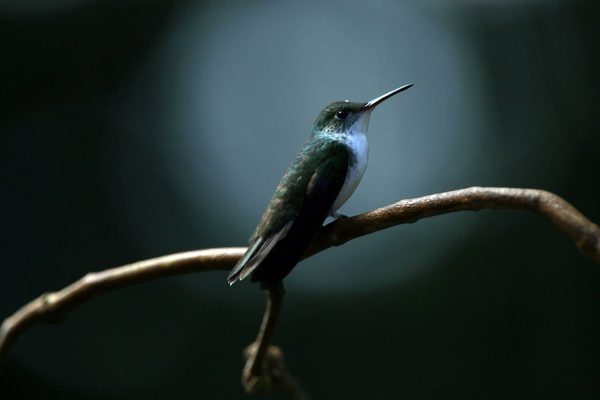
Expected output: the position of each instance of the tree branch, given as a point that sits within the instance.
(53, 307)
(265, 370)
(255, 378)
(581, 230)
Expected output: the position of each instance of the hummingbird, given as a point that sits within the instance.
(323, 176)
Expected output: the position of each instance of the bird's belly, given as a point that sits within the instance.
(358, 164)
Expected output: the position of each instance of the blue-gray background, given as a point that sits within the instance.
(134, 129)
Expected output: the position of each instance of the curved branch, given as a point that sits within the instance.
(52, 307)
(581, 230)
(265, 370)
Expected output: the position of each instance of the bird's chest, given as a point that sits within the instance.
(357, 164)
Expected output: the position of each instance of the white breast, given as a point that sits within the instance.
(357, 144)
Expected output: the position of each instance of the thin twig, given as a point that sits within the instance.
(254, 367)
(265, 370)
(581, 230)
(51, 307)
(54, 307)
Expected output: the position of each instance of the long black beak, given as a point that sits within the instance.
(384, 97)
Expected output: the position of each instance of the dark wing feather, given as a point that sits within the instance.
(274, 253)
(257, 251)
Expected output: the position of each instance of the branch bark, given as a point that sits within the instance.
(581, 230)
(255, 377)
(53, 307)
(265, 370)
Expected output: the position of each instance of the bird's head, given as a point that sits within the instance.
(346, 117)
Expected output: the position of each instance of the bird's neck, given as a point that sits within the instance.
(343, 137)
(357, 143)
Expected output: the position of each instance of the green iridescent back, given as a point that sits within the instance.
(290, 193)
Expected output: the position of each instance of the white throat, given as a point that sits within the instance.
(356, 140)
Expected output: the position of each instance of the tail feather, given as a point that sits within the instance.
(234, 275)
(256, 253)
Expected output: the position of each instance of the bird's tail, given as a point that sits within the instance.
(236, 272)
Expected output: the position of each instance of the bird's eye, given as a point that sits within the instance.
(342, 114)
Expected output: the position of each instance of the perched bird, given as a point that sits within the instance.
(321, 179)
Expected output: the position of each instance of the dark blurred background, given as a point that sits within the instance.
(132, 129)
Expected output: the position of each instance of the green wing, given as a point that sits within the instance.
(296, 212)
